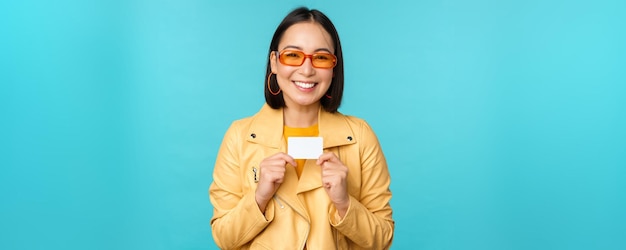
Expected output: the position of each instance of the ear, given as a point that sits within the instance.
(273, 62)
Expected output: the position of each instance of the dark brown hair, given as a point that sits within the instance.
(335, 91)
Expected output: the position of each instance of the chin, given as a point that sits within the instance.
(307, 102)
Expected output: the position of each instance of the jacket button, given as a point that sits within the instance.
(349, 138)
(253, 135)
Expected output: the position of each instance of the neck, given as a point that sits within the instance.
(301, 117)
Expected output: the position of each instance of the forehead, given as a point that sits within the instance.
(308, 36)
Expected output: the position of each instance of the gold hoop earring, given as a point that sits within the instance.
(269, 88)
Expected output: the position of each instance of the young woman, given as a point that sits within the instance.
(263, 198)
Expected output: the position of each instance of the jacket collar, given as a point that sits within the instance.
(266, 128)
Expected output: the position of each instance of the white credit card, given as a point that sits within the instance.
(305, 147)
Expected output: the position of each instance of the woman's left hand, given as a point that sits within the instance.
(335, 181)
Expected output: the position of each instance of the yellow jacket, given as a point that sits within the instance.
(301, 211)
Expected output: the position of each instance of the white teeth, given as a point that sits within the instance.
(305, 85)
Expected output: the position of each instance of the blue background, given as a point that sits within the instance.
(502, 121)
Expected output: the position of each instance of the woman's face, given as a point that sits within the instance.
(304, 85)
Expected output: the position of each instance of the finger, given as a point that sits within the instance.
(328, 168)
(274, 163)
(280, 159)
(328, 156)
(278, 179)
(285, 157)
(275, 175)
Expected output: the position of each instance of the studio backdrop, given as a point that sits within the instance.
(503, 122)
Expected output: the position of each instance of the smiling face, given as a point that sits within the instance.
(303, 86)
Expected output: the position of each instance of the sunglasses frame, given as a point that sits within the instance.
(310, 56)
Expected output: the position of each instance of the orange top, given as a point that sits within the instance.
(300, 132)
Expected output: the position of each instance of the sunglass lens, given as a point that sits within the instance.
(293, 58)
(323, 60)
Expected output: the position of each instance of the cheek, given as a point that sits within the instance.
(327, 76)
(283, 76)
(285, 71)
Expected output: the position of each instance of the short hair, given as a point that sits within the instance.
(335, 91)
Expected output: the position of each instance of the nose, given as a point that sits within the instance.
(306, 69)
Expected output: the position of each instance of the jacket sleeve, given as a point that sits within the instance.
(236, 216)
(368, 222)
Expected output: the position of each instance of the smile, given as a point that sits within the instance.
(305, 85)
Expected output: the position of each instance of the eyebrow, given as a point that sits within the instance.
(299, 48)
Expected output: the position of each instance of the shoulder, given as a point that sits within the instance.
(359, 127)
(357, 123)
(245, 122)
(354, 119)
(238, 128)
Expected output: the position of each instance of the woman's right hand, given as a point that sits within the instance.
(271, 175)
